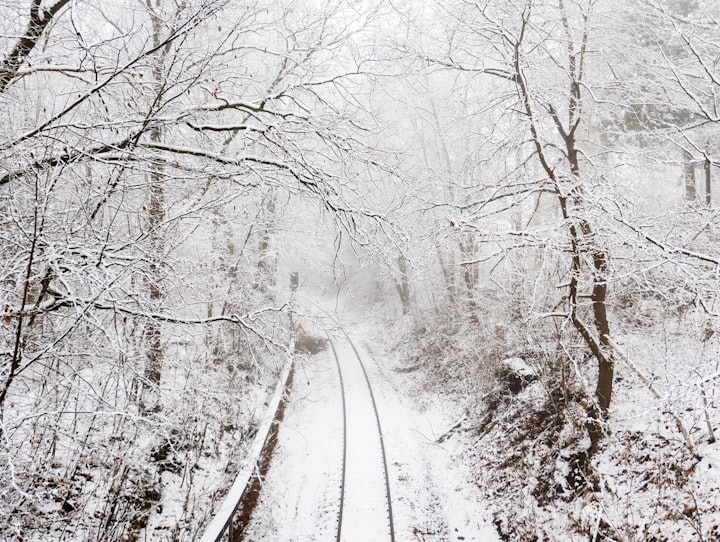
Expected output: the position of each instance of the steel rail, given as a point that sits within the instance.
(344, 454)
(380, 434)
(221, 527)
(377, 422)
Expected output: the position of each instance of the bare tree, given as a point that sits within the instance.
(507, 65)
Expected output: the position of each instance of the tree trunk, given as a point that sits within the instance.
(448, 273)
(606, 365)
(708, 188)
(403, 286)
(583, 241)
(265, 280)
(468, 251)
(689, 176)
(152, 334)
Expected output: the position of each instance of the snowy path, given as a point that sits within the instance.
(432, 497)
(300, 495)
(365, 508)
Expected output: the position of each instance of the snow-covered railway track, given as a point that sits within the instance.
(365, 502)
(331, 439)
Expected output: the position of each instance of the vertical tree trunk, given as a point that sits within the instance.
(152, 333)
(468, 251)
(265, 280)
(708, 187)
(689, 176)
(583, 241)
(448, 273)
(403, 286)
(606, 366)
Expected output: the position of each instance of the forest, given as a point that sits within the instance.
(520, 191)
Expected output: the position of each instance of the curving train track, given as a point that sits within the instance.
(363, 507)
(365, 511)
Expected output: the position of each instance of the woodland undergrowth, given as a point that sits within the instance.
(525, 394)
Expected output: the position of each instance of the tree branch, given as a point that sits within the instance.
(39, 20)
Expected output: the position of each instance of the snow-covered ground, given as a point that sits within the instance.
(433, 497)
(526, 446)
(300, 493)
(472, 458)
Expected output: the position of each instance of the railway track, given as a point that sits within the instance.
(365, 498)
(364, 504)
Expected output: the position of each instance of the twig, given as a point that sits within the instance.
(447, 433)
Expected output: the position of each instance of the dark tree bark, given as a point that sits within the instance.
(39, 20)
(583, 241)
(152, 333)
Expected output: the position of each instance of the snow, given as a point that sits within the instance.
(519, 367)
(365, 513)
(433, 497)
(299, 495)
